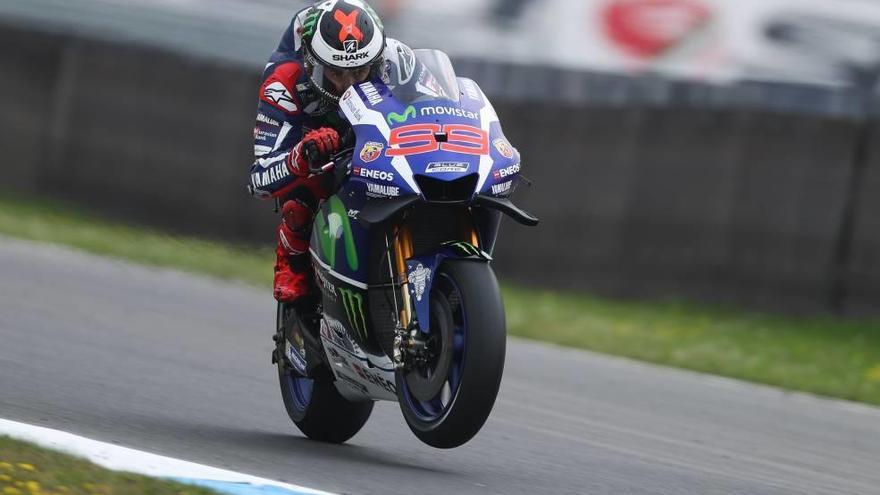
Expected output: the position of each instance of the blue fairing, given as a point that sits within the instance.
(421, 271)
(396, 140)
(426, 127)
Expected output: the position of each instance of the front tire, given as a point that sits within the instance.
(313, 404)
(466, 312)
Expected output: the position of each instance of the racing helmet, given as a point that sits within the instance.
(341, 36)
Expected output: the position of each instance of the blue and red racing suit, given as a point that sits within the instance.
(289, 108)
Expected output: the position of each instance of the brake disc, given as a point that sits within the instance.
(426, 381)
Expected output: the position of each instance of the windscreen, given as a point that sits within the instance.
(421, 75)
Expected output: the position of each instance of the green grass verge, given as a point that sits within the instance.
(823, 355)
(26, 469)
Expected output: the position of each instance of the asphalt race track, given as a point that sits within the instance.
(179, 365)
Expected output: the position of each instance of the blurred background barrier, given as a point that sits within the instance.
(758, 193)
(828, 42)
(142, 135)
(861, 291)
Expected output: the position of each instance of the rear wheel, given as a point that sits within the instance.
(313, 404)
(447, 400)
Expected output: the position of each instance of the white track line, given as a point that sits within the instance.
(124, 459)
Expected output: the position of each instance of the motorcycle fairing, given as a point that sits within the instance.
(361, 376)
(379, 120)
(341, 250)
(420, 272)
(371, 130)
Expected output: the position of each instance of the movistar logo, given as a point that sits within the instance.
(465, 248)
(330, 228)
(409, 113)
(353, 302)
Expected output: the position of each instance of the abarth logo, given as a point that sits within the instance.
(371, 151)
(503, 147)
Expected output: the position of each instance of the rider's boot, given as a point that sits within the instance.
(293, 285)
(292, 253)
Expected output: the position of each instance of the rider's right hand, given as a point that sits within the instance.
(313, 151)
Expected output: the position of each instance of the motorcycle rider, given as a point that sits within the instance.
(326, 49)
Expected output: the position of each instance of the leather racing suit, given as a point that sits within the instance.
(289, 109)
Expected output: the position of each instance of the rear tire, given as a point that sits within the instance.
(313, 404)
(466, 294)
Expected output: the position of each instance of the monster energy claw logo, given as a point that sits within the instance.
(409, 113)
(466, 248)
(310, 23)
(354, 309)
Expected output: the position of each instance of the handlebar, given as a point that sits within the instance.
(332, 163)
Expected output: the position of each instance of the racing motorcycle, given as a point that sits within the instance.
(410, 309)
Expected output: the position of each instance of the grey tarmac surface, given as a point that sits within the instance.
(178, 365)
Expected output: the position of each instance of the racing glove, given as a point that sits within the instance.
(313, 151)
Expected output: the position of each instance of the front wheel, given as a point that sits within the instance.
(313, 404)
(447, 400)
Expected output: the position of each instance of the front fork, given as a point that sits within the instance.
(409, 345)
(406, 344)
(403, 250)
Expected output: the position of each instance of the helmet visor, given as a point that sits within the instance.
(333, 81)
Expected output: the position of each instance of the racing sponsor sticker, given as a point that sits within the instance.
(277, 94)
(264, 136)
(419, 279)
(470, 89)
(440, 167)
(326, 285)
(503, 147)
(369, 173)
(450, 111)
(333, 331)
(269, 176)
(371, 93)
(505, 172)
(354, 109)
(371, 151)
(503, 188)
(381, 191)
(351, 46)
(296, 355)
(267, 120)
(279, 90)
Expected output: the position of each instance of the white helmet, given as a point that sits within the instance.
(341, 35)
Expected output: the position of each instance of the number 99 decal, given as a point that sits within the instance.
(422, 138)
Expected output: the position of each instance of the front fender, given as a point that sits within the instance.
(421, 270)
